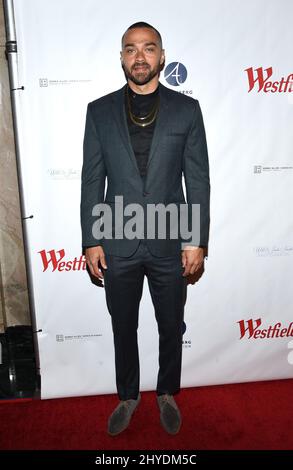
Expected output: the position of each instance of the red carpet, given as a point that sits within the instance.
(239, 416)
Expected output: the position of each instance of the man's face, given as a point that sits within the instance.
(141, 55)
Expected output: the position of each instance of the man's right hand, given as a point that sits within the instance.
(93, 256)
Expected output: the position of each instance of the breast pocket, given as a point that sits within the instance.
(181, 135)
(174, 143)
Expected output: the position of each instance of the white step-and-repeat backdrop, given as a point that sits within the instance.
(236, 58)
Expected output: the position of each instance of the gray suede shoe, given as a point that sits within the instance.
(121, 416)
(170, 414)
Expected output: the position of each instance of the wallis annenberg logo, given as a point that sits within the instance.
(251, 329)
(174, 221)
(262, 80)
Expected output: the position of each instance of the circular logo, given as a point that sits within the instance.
(183, 327)
(175, 73)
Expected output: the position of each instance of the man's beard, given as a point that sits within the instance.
(141, 78)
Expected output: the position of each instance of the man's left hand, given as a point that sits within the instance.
(192, 259)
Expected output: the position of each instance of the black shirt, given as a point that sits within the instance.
(141, 137)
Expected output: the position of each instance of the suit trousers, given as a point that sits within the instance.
(123, 280)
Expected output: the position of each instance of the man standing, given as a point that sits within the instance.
(142, 138)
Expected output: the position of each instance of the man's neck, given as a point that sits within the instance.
(149, 87)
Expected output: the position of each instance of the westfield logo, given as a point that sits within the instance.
(55, 260)
(262, 80)
(251, 329)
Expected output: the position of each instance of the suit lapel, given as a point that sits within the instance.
(118, 108)
(161, 123)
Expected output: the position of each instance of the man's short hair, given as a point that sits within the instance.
(142, 24)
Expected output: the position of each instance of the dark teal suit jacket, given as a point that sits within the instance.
(178, 149)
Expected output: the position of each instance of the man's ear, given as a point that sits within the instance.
(162, 60)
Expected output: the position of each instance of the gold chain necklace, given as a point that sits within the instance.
(145, 120)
